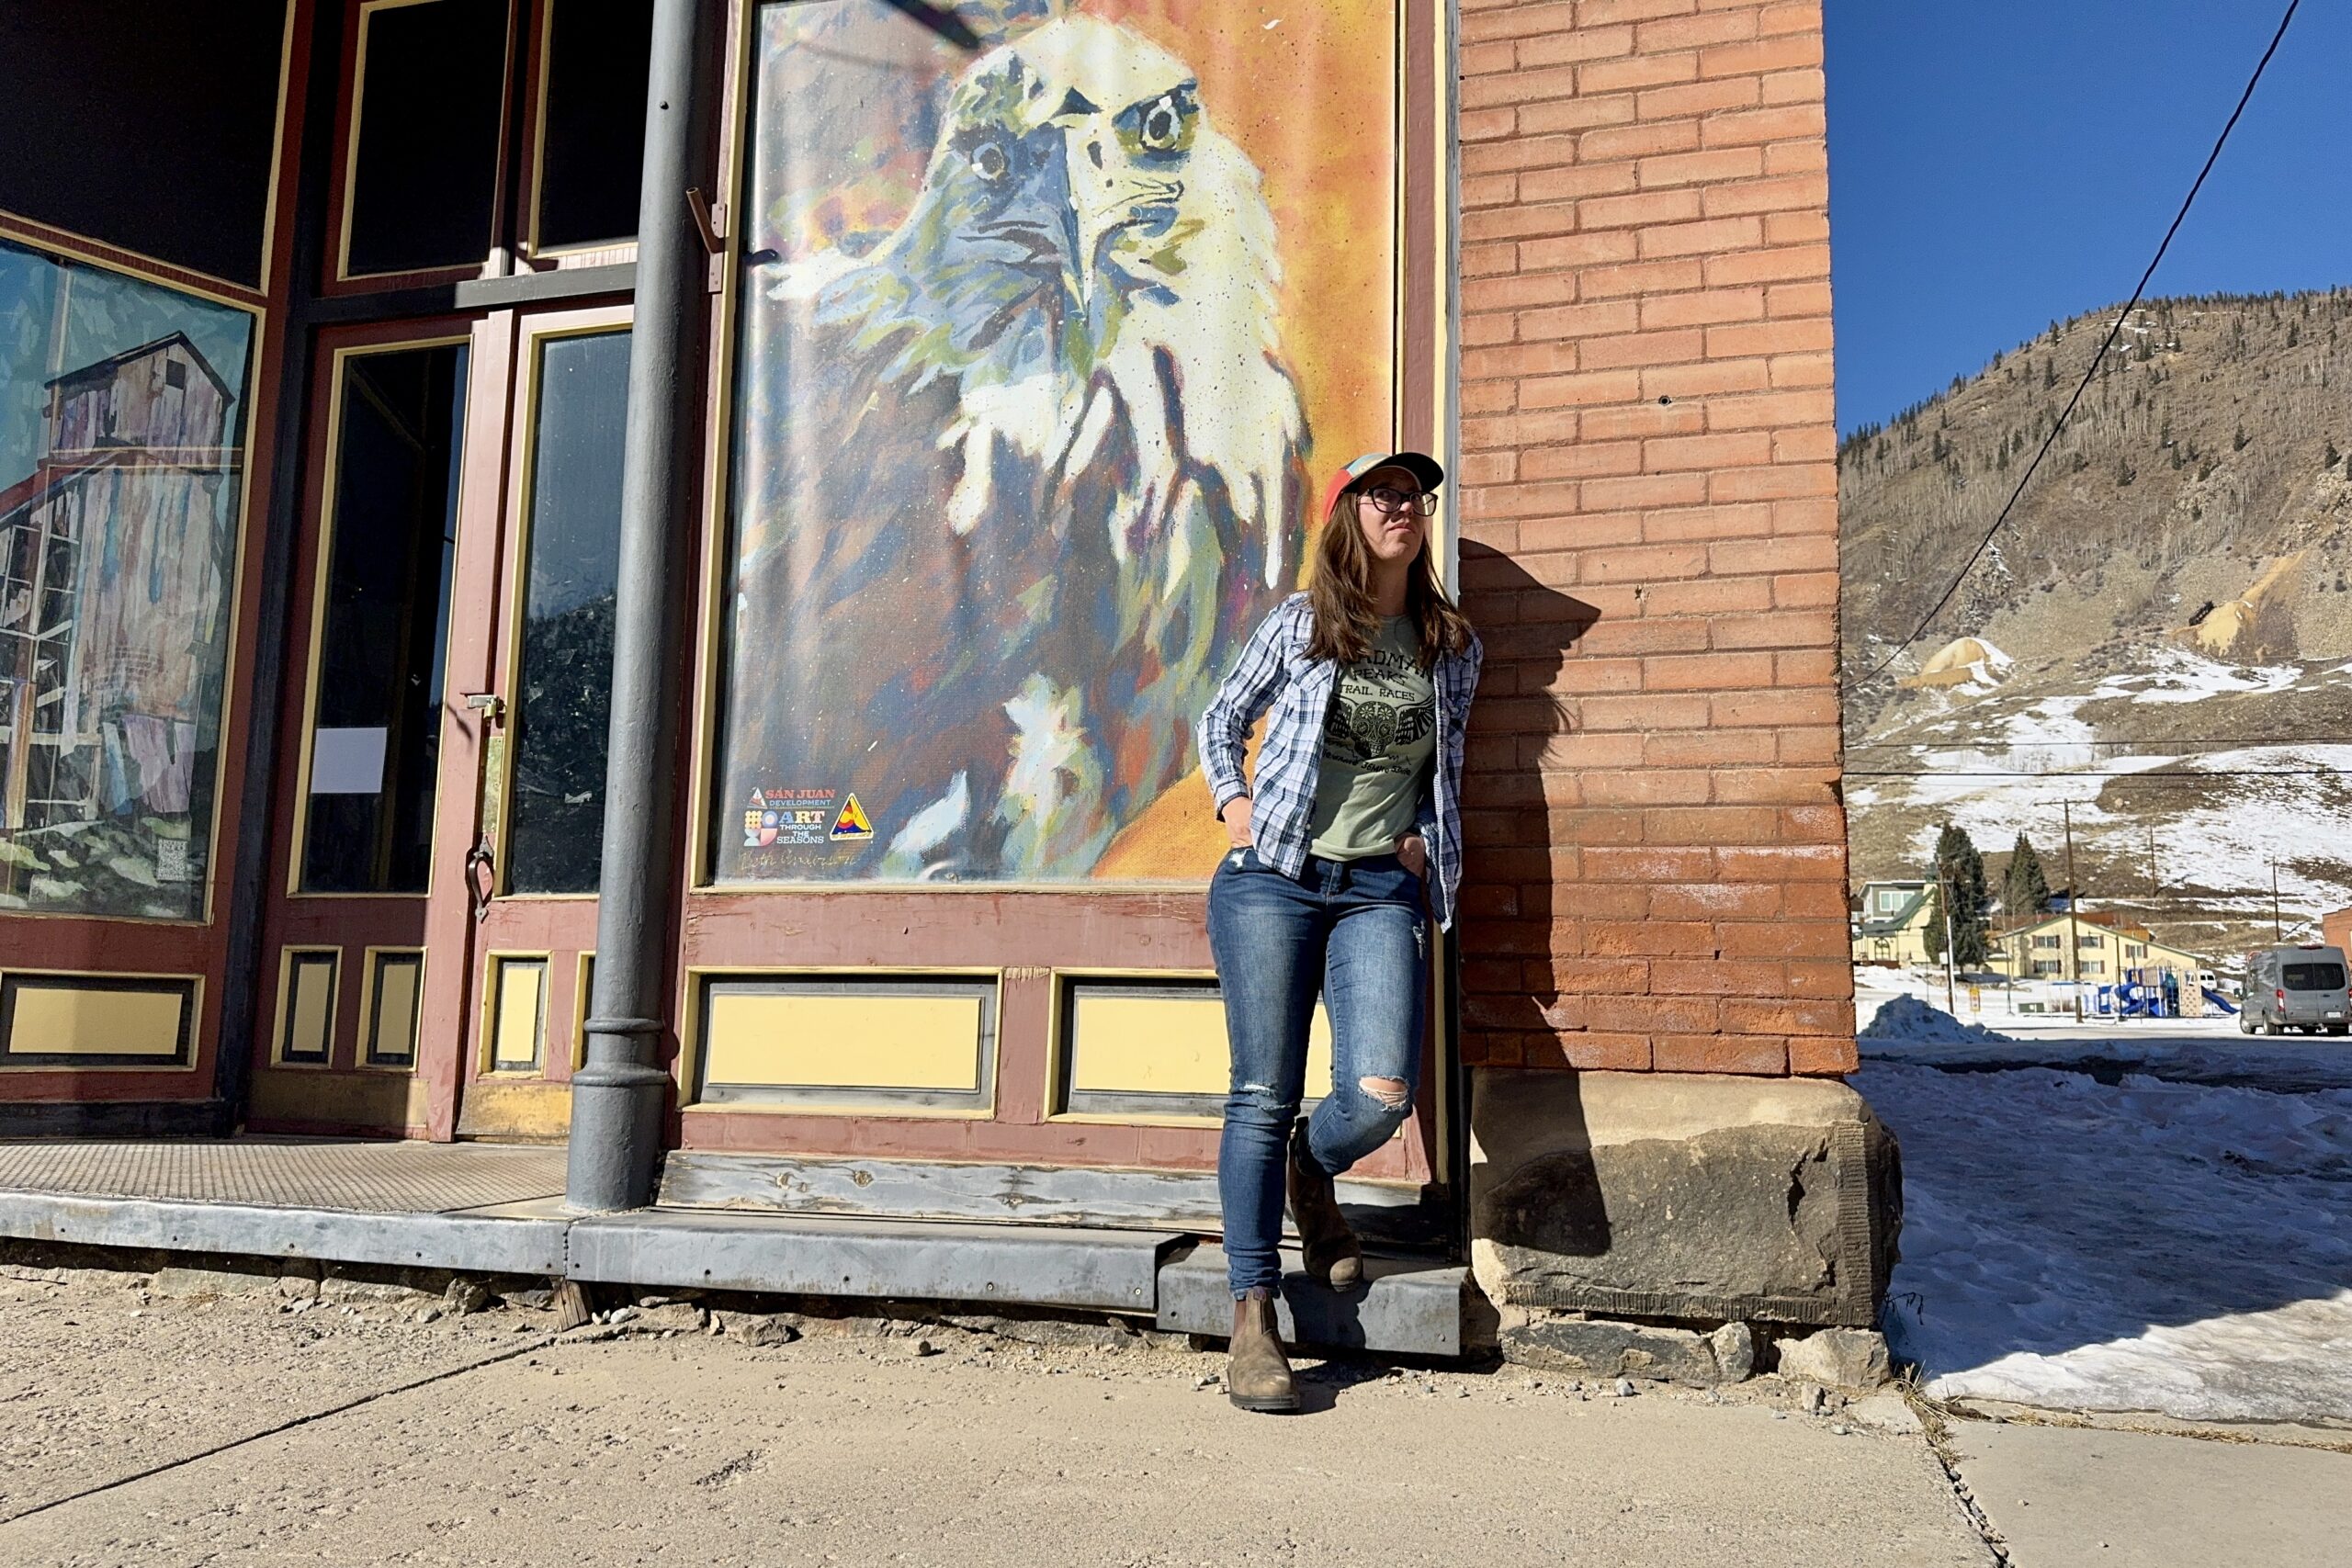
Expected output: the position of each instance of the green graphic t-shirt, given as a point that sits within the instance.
(1376, 749)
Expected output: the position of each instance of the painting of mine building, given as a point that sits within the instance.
(117, 529)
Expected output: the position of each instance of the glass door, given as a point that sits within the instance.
(534, 689)
(337, 1037)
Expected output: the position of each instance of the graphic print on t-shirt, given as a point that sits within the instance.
(1380, 709)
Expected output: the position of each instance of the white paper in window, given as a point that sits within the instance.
(348, 761)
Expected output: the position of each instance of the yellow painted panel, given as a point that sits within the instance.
(513, 1109)
(826, 1039)
(72, 1020)
(521, 1014)
(1168, 1045)
(398, 975)
(309, 1006)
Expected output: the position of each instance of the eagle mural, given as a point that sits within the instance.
(1013, 475)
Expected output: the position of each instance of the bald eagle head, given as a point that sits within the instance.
(1090, 258)
(1055, 194)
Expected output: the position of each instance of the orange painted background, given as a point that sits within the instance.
(1313, 99)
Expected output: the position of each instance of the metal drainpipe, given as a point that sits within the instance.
(618, 1096)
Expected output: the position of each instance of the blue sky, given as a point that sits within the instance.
(1996, 166)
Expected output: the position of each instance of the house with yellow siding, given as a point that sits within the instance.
(2106, 948)
(1891, 927)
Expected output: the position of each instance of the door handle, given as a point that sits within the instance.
(480, 858)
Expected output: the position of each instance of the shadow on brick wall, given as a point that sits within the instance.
(1512, 1011)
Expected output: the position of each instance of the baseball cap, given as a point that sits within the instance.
(1423, 466)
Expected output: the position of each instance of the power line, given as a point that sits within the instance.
(2090, 371)
(2153, 743)
(2154, 775)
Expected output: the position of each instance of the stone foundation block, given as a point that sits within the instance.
(1682, 1196)
(1840, 1357)
(1597, 1347)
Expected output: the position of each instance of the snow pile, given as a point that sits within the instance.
(2171, 1248)
(1907, 1018)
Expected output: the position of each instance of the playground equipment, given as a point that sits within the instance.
(2148, 993)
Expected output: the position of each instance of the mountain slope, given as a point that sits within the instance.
(2163, 632)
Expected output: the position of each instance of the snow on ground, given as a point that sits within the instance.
(2291, 817)
(2095, 1238)
(1911, 1020)
(2026, 757)
(1901, 1019)
(2177, 675)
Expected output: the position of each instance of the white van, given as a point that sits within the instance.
(2295, 987)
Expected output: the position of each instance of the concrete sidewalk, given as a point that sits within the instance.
(2059, 1496)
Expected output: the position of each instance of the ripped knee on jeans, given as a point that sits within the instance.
(1268, 1098)
(1392, 1093)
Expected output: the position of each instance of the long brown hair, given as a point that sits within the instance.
(1347, 618)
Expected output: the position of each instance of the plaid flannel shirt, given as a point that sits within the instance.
(1273, 671)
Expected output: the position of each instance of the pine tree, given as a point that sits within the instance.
(1960, 870)
(2025, 888)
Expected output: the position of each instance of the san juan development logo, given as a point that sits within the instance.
(803, 818)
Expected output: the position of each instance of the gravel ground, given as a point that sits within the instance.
(101, 1376)
(150, 1428)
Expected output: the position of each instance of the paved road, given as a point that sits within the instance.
(850, 1449)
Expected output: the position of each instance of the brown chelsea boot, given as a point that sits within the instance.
(1258, 1377)
(1331, 1252)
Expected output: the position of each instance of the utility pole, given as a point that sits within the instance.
(2074, 905)
(2274, 935)
(2151, 863)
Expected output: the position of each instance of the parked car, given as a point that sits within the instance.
(2296, 987)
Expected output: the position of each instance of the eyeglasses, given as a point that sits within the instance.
(1392, 501)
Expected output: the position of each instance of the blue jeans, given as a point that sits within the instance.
(1353, 931)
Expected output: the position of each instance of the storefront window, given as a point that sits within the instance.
(376, 716)
(1042, 345)
(592, 126)
(564, 686)
(123, 430)
(423, 172)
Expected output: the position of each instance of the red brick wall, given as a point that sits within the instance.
(1656, 867)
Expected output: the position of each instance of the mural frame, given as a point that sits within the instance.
(1425, 196)
(235, 655)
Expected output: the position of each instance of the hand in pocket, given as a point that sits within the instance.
(1414, 851)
